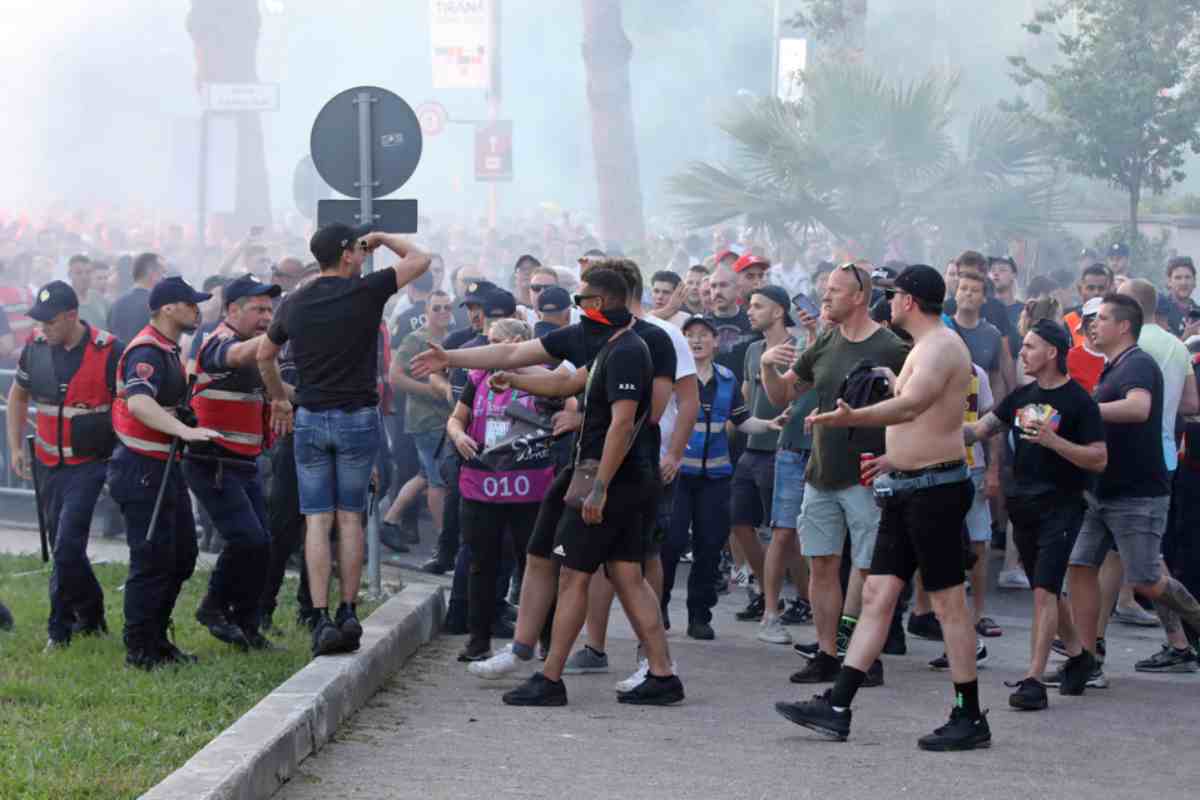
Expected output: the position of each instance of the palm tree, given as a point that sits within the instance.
(871, 162)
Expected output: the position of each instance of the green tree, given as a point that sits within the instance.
(1122, 104)
(872, 163)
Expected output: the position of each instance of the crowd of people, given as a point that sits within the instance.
(863, 434)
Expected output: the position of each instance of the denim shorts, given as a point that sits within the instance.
(427, 446)
(1135, 524)
(788, 496)
(335, 451)
(979, 518)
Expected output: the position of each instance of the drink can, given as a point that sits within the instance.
(862, 464)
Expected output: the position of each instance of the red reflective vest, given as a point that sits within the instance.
(230, 403)
(133, 433)
(86, 393)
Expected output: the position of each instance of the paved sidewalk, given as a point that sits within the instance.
(437, 732)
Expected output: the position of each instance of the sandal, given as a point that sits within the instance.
(988, 627)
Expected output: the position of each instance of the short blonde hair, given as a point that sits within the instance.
(509, 329)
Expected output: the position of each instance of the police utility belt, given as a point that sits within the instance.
(898, 485)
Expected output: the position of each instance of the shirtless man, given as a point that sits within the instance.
(922, 521)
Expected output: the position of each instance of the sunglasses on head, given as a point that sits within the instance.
(853, 270)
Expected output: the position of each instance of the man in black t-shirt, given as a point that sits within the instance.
(734, 331)
(333, 325)
(1059, 443)
(1130, 504)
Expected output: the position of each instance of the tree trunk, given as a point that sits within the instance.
(606, 55)
(225, 35)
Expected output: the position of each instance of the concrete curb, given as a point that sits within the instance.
(263, 749)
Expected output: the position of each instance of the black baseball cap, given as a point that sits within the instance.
(922, 282)
(330, 240)
(1012, 262)
(1119, 249)
(699, 320)
(175, 290)
(498, 304)
(526, 261)
(477, 292)
(250, 286)
(779, 296)
(53, 299)
(553, 299)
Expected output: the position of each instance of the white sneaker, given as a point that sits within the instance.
(740, 576)
(771, 631)
(1012, 579)
(501, 665)
(635, 680)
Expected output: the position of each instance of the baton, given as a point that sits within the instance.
(162, 486)
(37, 499)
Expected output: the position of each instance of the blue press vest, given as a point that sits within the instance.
(707, 452)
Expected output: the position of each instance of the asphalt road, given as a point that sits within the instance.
(436, 732)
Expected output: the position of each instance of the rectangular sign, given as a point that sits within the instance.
(391, 216)
(493, 151)
(793, 59)
(242, 96)
(458, 35)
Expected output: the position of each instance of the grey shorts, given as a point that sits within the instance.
(1134, 524)
(979, 518)
(825, 517)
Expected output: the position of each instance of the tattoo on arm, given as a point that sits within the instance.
(986, 428)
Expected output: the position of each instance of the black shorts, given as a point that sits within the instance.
(753, 488)
(923, 530)
(541, 541)
(657, 524)
(1044, 530)
(621, 536)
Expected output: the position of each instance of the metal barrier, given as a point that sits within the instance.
(11, 484)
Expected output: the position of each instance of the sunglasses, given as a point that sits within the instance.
(580, 299)
(853, 270)
(440, 309)
(539, 287)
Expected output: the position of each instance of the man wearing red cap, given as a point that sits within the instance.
(751, 271)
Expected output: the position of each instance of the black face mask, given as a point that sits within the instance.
(599, 327)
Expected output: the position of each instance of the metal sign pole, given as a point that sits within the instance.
(202, 191)
(366, 200)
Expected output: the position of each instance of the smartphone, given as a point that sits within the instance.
(804, 303)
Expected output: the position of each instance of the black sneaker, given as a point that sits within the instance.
(799, 612)
(654, 691)
(348, 625)
(896, 645)
(1168, 659)
(1075, 673)
(308, 618)
(436, 566)
(753, 611)
(818, 715)
(925, 626)
(475, 651)
(213, 617)
(97, 627)
(807, 650)
(960, 733)
(942, 662)
(822, 669)
(1054, 680)
(145, 658)
(257, 640)
(701, 630)
(173, 655)
(537, 691)
(874, 675)
(1060, 648)
(391, 537)
(1030, 695)
(326, 638)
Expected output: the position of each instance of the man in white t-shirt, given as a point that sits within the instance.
(668, 298)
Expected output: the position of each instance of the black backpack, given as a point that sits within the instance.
(864, 386)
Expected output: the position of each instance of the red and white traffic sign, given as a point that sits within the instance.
(433, 118)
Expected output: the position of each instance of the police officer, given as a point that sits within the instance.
(69, 369)
(151, 389)
(228, 398)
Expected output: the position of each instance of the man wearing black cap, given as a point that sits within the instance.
(69, 370)
(1058, 447)
(151, 389)
(554, 310)
(333, 324)
(1118, 259)
(228, 398)
(925, 501)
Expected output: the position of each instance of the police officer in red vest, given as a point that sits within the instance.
(151, 389)
(228, 398)
(69, 370)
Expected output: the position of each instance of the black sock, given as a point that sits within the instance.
(659, 677)
(966, 697)
(845, 686)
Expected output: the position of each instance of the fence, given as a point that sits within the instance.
(11, 485)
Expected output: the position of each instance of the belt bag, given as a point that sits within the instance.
(888, 487)
(92, 435)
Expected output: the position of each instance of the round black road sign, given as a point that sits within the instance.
(395, 141)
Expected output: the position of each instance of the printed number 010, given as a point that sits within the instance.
(499, 487)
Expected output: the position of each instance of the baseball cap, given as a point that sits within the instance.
(750, 260)
(250, 286)
(53, 299)
(330, 240)
(1119, 249)
(526, 261)
(498, 304)
(1012, 263)
(555, 298)
(1054, 334)
(922, 282)
(1090, 309)
(779, 296)
(699, 320)
(175, 290)
(726, 253)
(477, 291)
